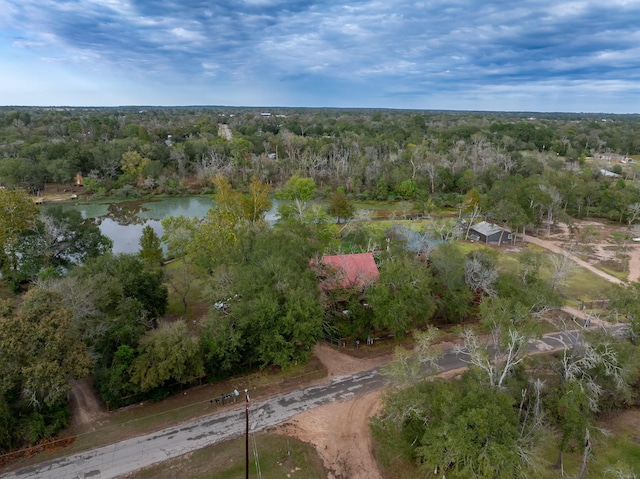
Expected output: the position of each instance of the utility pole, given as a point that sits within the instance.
(246, 436)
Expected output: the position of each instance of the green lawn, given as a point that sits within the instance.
(277, 457)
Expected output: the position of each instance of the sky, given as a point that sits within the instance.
(487, 55)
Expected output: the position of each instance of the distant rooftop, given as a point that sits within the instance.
(486, 228)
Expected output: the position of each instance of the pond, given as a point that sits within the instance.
(123, 221)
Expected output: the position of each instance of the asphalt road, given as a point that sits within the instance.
(132, 454)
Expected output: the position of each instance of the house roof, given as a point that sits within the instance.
(487, 229)
(609, 174)
(349, 270)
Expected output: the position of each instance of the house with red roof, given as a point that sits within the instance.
(346, 271)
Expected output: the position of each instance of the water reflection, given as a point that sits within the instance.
(126, 213)
(123, 221)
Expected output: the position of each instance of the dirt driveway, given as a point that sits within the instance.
(340, 431)
(84, 403)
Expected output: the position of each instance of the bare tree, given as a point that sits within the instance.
(179, 156)
(408, 367)
(496, 360)
(562, 265)
(554, 200)
(480, 277)
(445, 229)
(510, 326)
(633, 212)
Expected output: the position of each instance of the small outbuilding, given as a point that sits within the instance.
(485, 232)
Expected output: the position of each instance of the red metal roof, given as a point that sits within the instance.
(349, 271)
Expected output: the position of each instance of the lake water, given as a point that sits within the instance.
(123, 221)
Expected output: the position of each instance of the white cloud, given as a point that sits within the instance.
(187, 35)
(319, 51)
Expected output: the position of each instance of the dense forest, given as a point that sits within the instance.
(241, 293)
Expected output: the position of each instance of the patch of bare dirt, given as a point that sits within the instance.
(626, 420)
(598, 244)
(340, 433)
(340, 364)
(84, 403)
(556, 248)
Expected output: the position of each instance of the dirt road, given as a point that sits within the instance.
(634, 263)
(224, 131)
(551, 246)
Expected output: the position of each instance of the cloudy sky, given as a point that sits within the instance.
(516, 55)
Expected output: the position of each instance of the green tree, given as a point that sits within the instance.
(268, 308)
(234, 213)
(18, 215)
(340, 206)
(40, 350)
(115, 381)
(457, 428)
(150, 246)
(455, 297)
(382, 189)
(135, 280)
(118, 298)
(60, 240)
(34, 343)
(402, 298)
(473, 436)
(297, 188)
(408, 189)
(133, 165)
(257, 203)
(179, 234)
(169, 353)
(569, 407)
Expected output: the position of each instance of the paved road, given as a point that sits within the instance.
(132, 454)
(138, 452)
